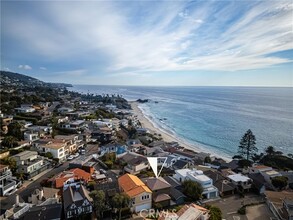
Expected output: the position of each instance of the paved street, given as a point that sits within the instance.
(29, 187)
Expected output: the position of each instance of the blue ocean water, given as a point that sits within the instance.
(215, 118)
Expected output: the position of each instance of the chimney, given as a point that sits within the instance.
(41, 194)
(16, 200)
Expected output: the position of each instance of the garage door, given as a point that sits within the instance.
(141, 207)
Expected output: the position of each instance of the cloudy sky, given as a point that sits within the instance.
(245, 43)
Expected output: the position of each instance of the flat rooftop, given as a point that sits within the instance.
(238, 178)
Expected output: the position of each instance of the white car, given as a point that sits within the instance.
(75, 155)
(70, 158)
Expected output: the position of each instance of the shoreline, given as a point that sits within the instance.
(166, 136)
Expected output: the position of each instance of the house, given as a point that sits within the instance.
(161, 190)
(185, 154)
(181, 164)
(243, 183)
(158, 144)
(55, 147)
(72, 175)
(51, 211)
(209, 191)
(71, 143)
(30, 163)
(269, 175)
(224, 186)
(104, 135)
(171, 160)
(7, 183)
(139, 193)
(135, 162)
(44, 196)
(14, 208)
(113, 148)
(280, 203)
(124, 123)
(64, 110)
(142, 131)
(187, 212)
(258, 182)
(76, 125)
(76, 202)
(41, 130)
(30, 135)
(259, 169)
(24, 109)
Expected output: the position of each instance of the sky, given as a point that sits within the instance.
(168, 43)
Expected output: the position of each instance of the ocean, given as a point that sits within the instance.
(215, 118)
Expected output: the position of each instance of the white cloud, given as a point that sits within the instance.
(24, 67)
(177, 39)
(43, 68)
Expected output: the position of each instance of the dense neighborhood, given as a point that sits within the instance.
(66, 155)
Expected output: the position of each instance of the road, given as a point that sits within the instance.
(27, 191)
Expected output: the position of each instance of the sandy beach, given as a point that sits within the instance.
(146, 123)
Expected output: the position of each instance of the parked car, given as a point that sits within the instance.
(103, 171)
(70, 157)
(75, 155)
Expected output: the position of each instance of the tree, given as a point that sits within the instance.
(270, 151)
(14, 129)
(280, 182)
(11, 162)
(215, 212)
(207, 159)
(257, 157)
(99, 202)
(120, 201)
(192, 189)
(49, 155)
(247, 145)
(10, 142)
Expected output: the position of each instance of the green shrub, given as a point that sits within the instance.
(242, 210)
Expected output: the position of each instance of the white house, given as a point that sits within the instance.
(57, 149)
(30, 136)
(209, 191)
(240, 180)
(7, 184)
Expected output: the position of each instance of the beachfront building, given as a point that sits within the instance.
(209, 191)
(140, 195)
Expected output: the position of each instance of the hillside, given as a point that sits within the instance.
(16, 79)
